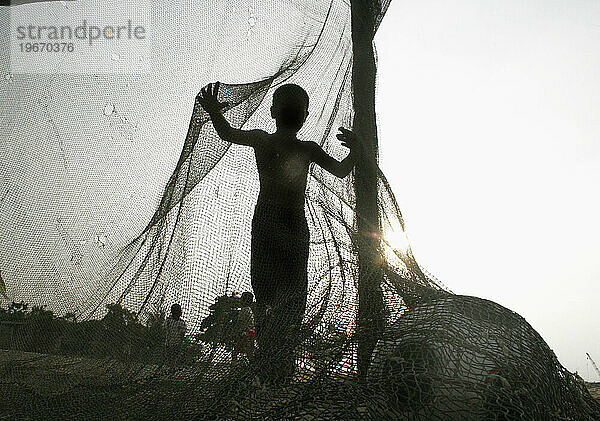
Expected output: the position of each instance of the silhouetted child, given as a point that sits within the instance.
(245, 324)
(280, 236)
(175, 329)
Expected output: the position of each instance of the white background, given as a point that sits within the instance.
(489, 134)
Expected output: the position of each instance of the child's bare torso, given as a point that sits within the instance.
(282, 169)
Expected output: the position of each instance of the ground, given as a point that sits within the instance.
(37, 386)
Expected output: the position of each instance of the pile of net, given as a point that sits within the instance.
(112, 211)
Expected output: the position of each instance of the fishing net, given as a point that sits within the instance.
(115, 206)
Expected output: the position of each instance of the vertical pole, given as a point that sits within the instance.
(370, 299)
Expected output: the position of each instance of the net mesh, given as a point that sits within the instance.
(100, 236)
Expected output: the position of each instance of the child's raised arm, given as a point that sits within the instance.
(338, 168)
(207, 98)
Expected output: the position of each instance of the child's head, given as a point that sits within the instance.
(175, 311)
(290, 107)
(246, 299)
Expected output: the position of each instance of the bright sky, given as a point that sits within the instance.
(490, 137)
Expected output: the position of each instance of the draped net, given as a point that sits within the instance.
(111, 212)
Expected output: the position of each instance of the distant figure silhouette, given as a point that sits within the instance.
(175, 329)
(280, 236)
(245, 324)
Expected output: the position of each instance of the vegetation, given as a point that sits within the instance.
(221, 327)
(118, 335)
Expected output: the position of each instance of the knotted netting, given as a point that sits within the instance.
(118, 201)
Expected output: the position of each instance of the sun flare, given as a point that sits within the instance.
(395, 241)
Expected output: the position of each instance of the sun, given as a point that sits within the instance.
(395, 241)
